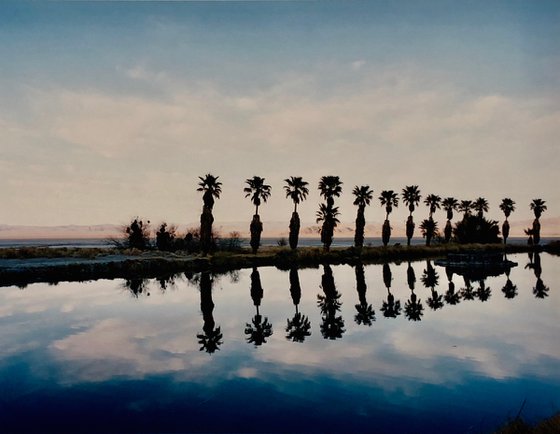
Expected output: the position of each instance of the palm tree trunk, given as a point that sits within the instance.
(360, 226)
(206, 220)
(505, 230)
(256, 230)
(409, 229)
(448, 231)
(536, 231)
(386, 232)
(327, 232)
(294, 230)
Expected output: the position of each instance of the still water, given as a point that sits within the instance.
(394, 348)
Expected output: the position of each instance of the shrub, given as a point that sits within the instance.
(475, 229)
(137, 235)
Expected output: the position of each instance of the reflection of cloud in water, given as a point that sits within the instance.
(104, 334)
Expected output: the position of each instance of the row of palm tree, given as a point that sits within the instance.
(330, 187)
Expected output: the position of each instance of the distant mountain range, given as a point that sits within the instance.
(550, 227)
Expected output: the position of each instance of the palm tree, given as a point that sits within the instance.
(449, 204)
(480, 205)
(329, 187)
(363, 198)
(259, 192)
(433, 201)
(212, 188)
(329, 217)
(429, 229)
(507, 206)
(411, 198)
(429, 226)
(388, 199)
(465, 206)
(296, 189)
(538, 207)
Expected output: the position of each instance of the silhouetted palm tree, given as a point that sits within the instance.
(480, 205)
(433, 202)
(212, 188)
(411, 198)
(429, 229)
(465, 206)
(259, 192)
(451, 297)
(363, 196)
(538, 207)
(449, 204)
(298, 328)
(211, 338)
(329, 217)
(390, 308)
(507, 206)
(332, 326)
(296, 189)
(388, 199)
(410, 276)
(260, 329)
(329, 187)
(365, 313)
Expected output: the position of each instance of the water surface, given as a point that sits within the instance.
(363, 351)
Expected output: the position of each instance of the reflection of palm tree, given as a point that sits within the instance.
(483, 293)
(391, 308)
(388, 199)
(211, 338)
(260, 329)
(298, 327)
(538, 207)
(449, 204)
(363, 196)
(296, 189)
(540, 290)
(332, 326)
(365, 313)
(413, 308)
(411, 197)
(507, 206)
(212, 188)
(430, 279)
(451, 297)
(329, 187)
(259, 192)
(410, 276)
(509, 289)
(467, 293)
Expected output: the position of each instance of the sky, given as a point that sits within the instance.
(110, 110)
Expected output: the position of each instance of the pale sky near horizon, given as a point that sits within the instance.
(113, 109)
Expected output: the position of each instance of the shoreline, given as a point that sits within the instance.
(20, 267)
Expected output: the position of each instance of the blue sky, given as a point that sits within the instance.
(112, 109)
